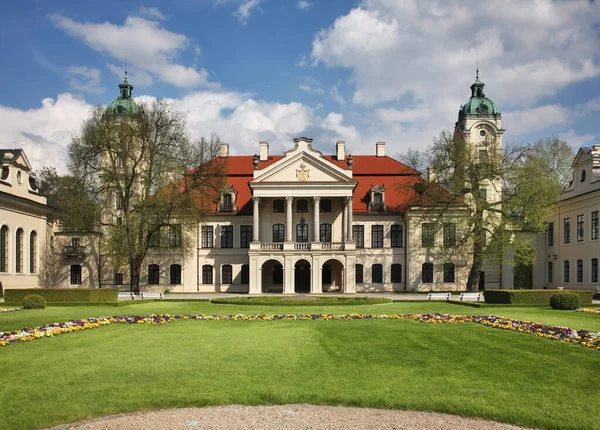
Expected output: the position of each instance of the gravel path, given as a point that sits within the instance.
(285, 417)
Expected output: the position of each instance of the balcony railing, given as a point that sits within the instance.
(302, 246)
(377, 206)
(332, 246)
(73, 251)
(271, 246)
(226, 207)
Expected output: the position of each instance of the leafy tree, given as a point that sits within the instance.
(507, 190)
(148, 176)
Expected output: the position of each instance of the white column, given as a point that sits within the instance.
(317, 225)
(349, 218)
(288, 219)
(255, 219)
(345, 223)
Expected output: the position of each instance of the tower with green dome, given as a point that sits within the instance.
(124, 105)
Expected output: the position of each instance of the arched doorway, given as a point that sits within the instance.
(272, 277)
(302, 277)
(332, 276)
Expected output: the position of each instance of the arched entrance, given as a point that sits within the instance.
(302, 277)
(272, 277)
(332, 276)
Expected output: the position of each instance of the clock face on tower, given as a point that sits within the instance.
(120, 110)
(482, 108)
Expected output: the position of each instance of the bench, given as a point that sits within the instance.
(471, 296)
(126, 296)
(439, 296)
(151, 295)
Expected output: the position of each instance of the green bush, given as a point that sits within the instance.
(34, 301)
(64, 295)
(541, 297)
(565, 301)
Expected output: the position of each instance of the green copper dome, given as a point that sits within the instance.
(124, 104)
(478, 105)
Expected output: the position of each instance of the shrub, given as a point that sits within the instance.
(540, 297)
(65, 295)
(34, 301)
(565, 301)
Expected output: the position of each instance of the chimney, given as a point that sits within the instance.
(339, 150)
(380, 149)
(223, 150)
(264, 150)
(431, 176)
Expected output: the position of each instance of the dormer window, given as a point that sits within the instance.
(228, 200)
(377, 195)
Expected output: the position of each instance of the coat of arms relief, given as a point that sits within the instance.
(303, 172)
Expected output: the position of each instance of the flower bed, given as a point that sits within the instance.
(582, 337)
(9, 310)
(589, 311)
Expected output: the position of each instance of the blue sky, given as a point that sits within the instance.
(250, 70)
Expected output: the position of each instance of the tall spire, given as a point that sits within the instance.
(125, 88)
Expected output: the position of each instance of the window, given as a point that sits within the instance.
(302, 206)
(358, 235)
(75, 242)
(226, 236)
(4, 249)
(427, 273)
(119, 201)
(245, 236)
(325, 233)
(75, 273)
(227, 205)
(175, 236)
(226, 274)
(396, 273)
(153, 274)
(33, 252)
(207, 274)
(207, 236)
(19, 251)
(397, 234)
(449, 272)
(278, 232)
(278, 206)
(550, 270)
(450, 234)
(579, 228)
(594, 277)
(175, 274)
(325, 205)
(483, 194)
(483, 156)
(566, 270)
(550, 233)
(567, 230)
(427, 235)
(245, 274)
(301, 232)
(376, 236)
(377, 273)
(595, 225)
(154, 239)
(277, 274)
(118, 279)
(579, 270)
(377, 204)
(358, 269)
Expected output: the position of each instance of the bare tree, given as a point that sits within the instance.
(146, 174)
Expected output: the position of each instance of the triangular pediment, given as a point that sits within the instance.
(16, 157)
(583, 156)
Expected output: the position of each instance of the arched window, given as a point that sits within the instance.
(175, 274)
(449, 272)
(427, 273)
(245, 274)
(19, 251)
(325, 233)
(377, 273)
(153, 274)
(278, 206)
(397, 273)
(325, 205)
(207, 274)
(550, 271)
(4, 233)
(566, 271)
(359, 274)
(226, 274)
(302, 232)
(75, 273)
(278, 232)
(33, 252)
(302, 206)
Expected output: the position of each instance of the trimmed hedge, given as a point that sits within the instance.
(541, 297)
(282, 301)
(34, 301)
(564, 301)
(64, 295)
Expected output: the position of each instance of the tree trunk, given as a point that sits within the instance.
(134, 271)
(475, 271)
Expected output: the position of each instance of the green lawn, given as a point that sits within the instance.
(464, 369)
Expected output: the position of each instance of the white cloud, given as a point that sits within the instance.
(85, 79)
(149, 47)
(303, 4)
(406, 115)
(309, 89)
(537, 119)
(336, 96)
(152, 13)
(245, 10)
(577, 140)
